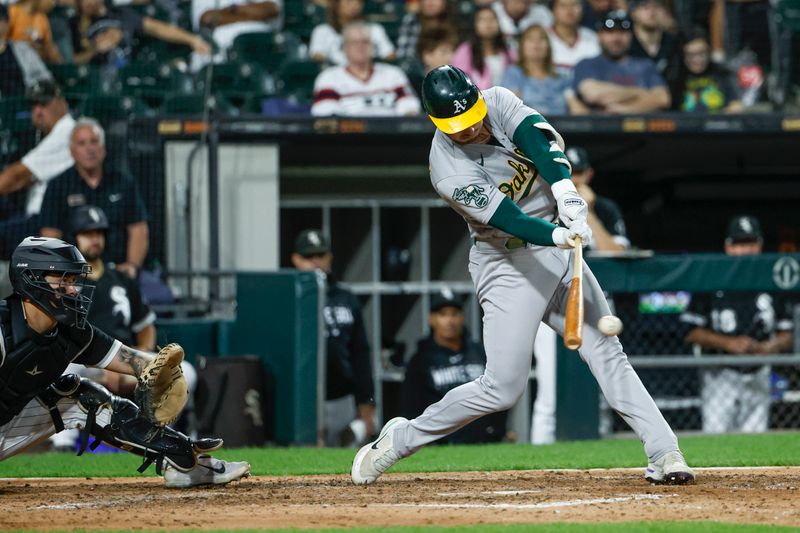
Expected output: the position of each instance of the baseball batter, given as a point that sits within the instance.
(43, 329)
(502, 166)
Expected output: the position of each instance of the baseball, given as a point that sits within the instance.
(609, 325)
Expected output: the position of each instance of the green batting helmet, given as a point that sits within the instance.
(451, 100)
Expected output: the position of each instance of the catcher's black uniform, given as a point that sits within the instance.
(32, 362)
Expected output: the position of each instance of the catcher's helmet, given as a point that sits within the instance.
(451, 100)
(88, 218)
(37, 257)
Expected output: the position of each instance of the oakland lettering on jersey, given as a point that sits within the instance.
(524, 177)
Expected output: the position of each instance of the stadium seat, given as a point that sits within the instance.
(300, 17)
(787, 14)
(237, 82)
(85, 79)
(192, 104)
(111, 108)
(150, 82)
(267, 49)
(15, 114)
(296, 79)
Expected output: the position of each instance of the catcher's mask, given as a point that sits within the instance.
(52, 275)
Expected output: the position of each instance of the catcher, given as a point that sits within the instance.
(43, 328)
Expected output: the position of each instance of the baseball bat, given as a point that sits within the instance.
(573, 331)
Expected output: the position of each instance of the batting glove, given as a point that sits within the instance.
(571, 207)
(582, 230)
(563, 238)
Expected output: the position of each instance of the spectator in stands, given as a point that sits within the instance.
(605, 216)
(485, 56)
(432, 14)
(737, 398)
(327, 44)
(594, 11)
(570, 41)
(651, 40)
(50, 115)
(435, 47)
(349, 402)
(747, 28)
(20, 65)
(118, 307)
(614, 82)
(515, 16)
(90, 182)
(28, 22)
(229, 18)
(361, 87)
(701, 86)
(533, 78)
(104, 35)
(444, 360)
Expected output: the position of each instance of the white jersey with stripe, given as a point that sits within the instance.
(386, 92)
(474, 178)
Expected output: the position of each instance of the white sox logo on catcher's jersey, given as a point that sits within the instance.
(460, 107)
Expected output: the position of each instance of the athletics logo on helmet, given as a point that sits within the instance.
(52, 275)
(451, 100)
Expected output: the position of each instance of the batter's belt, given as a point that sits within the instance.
(500, 244)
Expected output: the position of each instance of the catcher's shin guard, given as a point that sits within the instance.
(128, 429)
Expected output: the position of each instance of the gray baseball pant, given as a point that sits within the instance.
(517, 290)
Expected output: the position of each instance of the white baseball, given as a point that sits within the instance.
(609, 325)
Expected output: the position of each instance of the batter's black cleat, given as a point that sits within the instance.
(670, 469)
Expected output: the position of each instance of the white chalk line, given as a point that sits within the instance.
(127, 500)
(510, 492)
(542, 505)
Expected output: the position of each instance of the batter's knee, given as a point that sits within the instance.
(502, 392)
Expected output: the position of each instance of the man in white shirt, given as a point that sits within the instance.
(515, 16)
(50, 115)
(361, 87)
(569, 41)
(226, 19)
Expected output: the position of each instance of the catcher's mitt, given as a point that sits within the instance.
(161, 389)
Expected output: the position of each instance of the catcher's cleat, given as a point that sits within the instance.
(670, 469)
(207, 445)
(208, 471)
(377, 457)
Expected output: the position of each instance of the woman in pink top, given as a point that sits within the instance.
(485, 56)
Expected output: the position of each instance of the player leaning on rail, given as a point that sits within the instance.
(501, 166)
(43, 328)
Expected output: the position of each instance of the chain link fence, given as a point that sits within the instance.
(676, 342)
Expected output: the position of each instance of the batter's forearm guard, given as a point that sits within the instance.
(128, 429)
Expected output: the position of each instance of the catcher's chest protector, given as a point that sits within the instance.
(29, 363)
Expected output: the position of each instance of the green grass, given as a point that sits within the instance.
(775, 449)
(627, 527)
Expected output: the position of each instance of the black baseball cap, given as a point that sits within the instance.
(88, 218)
(637, 3)
(42, 92)
(578, 158)
(743, 229)
(445, 298)
(615, 20)
(311, 242)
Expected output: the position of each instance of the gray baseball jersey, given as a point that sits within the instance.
(474, 178)
(522, 287)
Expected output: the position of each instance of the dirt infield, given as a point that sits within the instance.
(758, 496)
